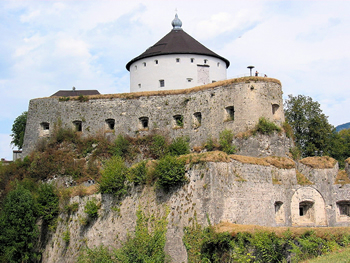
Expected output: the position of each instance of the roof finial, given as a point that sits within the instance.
(176, 23)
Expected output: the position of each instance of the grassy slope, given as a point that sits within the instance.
(341, 256)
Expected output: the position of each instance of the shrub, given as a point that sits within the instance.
(73, 207)
(48, 202)
(96, 255)
(266, 127)
(138, 173)
(147, 244)
(210, 145)
(83, 98)
(288, 130)
(225, 140)
(158, 146)
(170, 171)
(113, 177)
(180, 146)
(121, 146)
(91, 208)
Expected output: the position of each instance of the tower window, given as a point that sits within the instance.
(45, 126)
(218, 64)
(78, 126)
(192, 60)
(177, 60)
(178, 121)
(189, 80)
(156, 61)
(110, 124)
(205, 61)
(197, 120)
(144, 64)
(275, 108)
(135, 67)
(139, 85)
(143, 123)
(230, 113)
(161, 83)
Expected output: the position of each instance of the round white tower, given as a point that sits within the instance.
(177, 61)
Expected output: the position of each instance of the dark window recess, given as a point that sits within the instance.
(161, 83)
(156, 61)
(275, 108)
(179, 121)
(230, 113)
(78, 125)
(344, 208)
(305, 208)
(192, 60)
(144, 122)
(197, 119)
(110, 123)
(177, 60)
(278, 206)
(45, 126)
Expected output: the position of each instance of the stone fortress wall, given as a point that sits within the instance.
(231, 190)
(198, 113)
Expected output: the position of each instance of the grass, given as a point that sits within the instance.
(278, 162)
(323, 232)
(339, 256)
(319, 162)
(301, 179)
(342, 178)
(136, 95)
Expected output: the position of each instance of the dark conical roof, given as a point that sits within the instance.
(177, 42)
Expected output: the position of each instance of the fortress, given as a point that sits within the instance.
(178, 87)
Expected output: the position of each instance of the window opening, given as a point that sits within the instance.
(218, 64)
(205, 61)
(197, 120)
(306, 210)
(177, 60)
(144, 64)
(135, 67)
(139, 85)
(275, 107)
(156, 61)
(178, 121)
(45, 126)
(344, 208)
(192, 60)
(161, 83)
(230, 113)
(279, 212)
(189, 80)
(143, 123)
(78, 126)
(110, 124)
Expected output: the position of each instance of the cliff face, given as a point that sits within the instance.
(239, 189)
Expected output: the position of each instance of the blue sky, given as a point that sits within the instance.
(46, 46)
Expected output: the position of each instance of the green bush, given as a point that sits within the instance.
(113, 177)
(99, 254)
(180, 146)
(170, 171)
(145, 245)
(158, 147)
(266, 127)
(225, 140)
(210, 144)
(121, 147)
(73, 207)
(91, 208)
(138, 173)
(48, 202)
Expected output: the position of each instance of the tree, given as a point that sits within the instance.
(18, 227)
(310, 125)
(18, 129)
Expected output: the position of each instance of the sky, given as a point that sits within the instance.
(46, 46)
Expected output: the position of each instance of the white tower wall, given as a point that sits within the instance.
(178, 71)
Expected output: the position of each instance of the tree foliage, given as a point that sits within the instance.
(18, 129)
(18, 229)
(311, 128)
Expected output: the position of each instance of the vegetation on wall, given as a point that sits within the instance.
(208, 245)
(146, 244)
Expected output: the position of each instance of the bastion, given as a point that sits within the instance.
(199, 113)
